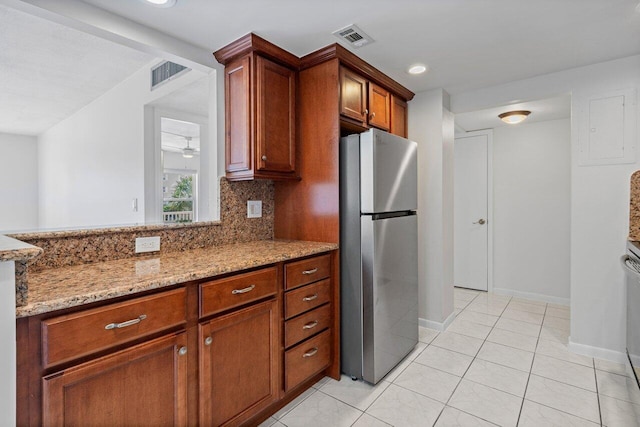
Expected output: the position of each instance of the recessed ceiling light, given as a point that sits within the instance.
(514, 117)
(418, 69)
(161, 3)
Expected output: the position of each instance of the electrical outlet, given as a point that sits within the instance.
(254, 209)
(147, 244)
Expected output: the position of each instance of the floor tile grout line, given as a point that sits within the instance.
(595, 375)
(533, 360)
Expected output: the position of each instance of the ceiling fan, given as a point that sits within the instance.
(187, 152)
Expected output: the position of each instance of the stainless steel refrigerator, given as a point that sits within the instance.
(378, 246)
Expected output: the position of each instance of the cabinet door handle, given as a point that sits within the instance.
(127, 323)
(243, 291)
(310, 325)
(311, 352)
(182, 351)
(208, 341)
(365, 112)
(264, 158)
(313, 270)
(372, 115)
(310, 297)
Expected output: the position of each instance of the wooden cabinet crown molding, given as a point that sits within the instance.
(352, 61)
(254, 43)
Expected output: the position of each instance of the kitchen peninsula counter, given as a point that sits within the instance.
(66, 287)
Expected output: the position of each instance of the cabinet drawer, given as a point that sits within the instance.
(307, 359)
(305, 298)
(75, 335)
(306, 271)
(302, 327)
(223, 294)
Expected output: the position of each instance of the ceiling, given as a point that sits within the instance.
(541, 110)
(467, 44)
(49, 71)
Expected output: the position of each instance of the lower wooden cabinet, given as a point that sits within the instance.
(145, 385)
(229, 351)
(239, 364)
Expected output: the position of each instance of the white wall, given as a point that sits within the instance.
(92, 163)
(599, 201)
(531, 216)
(431, 126)
(18, 182)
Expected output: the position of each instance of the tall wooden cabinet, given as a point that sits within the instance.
(260, 110)
(338, 94)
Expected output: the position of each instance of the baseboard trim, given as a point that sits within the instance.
(532, 296)
(597, 352)
(438, 326)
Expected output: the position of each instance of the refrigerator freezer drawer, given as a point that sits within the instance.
(389, 293)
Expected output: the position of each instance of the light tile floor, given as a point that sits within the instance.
(503, 361)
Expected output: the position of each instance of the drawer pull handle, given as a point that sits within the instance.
(311, 352)
(310, 297)
(313, 270)
(243, 291)
(127, 323)
(310, 325)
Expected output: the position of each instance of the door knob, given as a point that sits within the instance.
(480, 221)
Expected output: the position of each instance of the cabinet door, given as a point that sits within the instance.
(239, 137)
(379, 105)
(239, 364)
(145, 385)
(399, 113)
(275, 116)
(353, 96)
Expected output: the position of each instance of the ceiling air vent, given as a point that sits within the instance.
(165, 71)
(353, 35)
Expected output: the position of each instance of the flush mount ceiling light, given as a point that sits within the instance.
(418, 69)
(161, 3)
(513, 117)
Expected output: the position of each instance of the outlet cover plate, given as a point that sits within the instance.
(254, 208)
(147, 244)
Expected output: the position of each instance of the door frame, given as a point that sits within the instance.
(489, 134)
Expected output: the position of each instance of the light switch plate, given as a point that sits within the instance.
(254, 209)
(147, 244)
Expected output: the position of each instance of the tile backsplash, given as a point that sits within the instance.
(66, 248)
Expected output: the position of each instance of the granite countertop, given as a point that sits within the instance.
(65, 287)
(15, 250)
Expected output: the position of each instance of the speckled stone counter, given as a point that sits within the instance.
(20, 253)
(15, 250)
(65, 287)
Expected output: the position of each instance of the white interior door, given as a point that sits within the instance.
(471, 221)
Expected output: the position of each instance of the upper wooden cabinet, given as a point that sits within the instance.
(353, 96)
(364, 103)
(260, 110)
(399, 117)
(379, 107)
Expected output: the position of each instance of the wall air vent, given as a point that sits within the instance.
(354, 36)
(165, 71)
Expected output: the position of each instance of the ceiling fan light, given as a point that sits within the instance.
(514, 117)
(188, 152)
